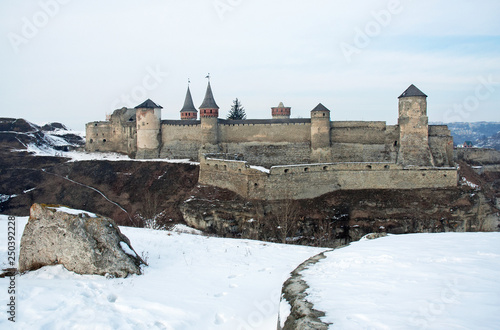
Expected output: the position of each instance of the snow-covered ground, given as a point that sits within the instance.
(418, 281)
(434, 281)
(192, 282)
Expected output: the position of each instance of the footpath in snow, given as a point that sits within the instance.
(417, 281)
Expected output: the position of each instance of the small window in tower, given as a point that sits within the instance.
(91, 141)
(210, 111)
(103, 140)
(395, 143)
(324, 114)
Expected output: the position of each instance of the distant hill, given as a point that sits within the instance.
(481, 134)
(20, 133)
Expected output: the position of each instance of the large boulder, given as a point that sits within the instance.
(82, 242)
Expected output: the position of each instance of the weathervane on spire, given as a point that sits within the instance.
(208, 77)
(189, 81)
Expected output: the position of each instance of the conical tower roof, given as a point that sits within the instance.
(412, 91)
(148, 104)
(320, 107)
(209, 101)
(188, 103)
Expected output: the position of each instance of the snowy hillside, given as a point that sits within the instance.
(51, 138)
(437, 281)
(193, 282)
(414, 281)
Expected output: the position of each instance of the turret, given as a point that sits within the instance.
(414, 129)
(281, 111)
(320, 127)
(148, 118)
(188, 111)
(209, 113)
(320, 133)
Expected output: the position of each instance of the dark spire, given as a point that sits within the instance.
(209, 102)
(148, 104)
(412, 91)
(320, 107)
(188, 103)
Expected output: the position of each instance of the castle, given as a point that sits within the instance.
(352, 148)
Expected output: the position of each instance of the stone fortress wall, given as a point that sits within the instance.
(312, 180)
(337, 154)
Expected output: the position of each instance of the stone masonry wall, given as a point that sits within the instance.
(119, 134)
(359, 132)
(266, 154)
(479, 156)
(180, 141)
(313, 180)
(259, 131)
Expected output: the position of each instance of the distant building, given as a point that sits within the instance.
(468, 144)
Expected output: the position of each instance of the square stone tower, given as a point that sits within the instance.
(414, 129)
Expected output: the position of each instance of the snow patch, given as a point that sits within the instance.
(260, 168)
(180, 228)
(73, 211)
(127, 249)
(465, 182)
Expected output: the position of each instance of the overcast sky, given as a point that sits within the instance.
(75, 61)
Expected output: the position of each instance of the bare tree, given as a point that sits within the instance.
(285, 219)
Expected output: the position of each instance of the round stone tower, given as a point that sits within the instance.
(188, 111)
(148, 119)
(281, 112)
(320, 127)
(209, 115)
(320, 134)
(413, 129)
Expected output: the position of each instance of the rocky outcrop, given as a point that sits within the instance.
(341, 217)
(82, 242)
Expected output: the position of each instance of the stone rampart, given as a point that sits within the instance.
(312, 180)
(479, 156)
(361, 132)
(265, 131)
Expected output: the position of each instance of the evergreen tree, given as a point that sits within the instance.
(237, 111)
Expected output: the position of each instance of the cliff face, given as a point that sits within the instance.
(343, 216)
